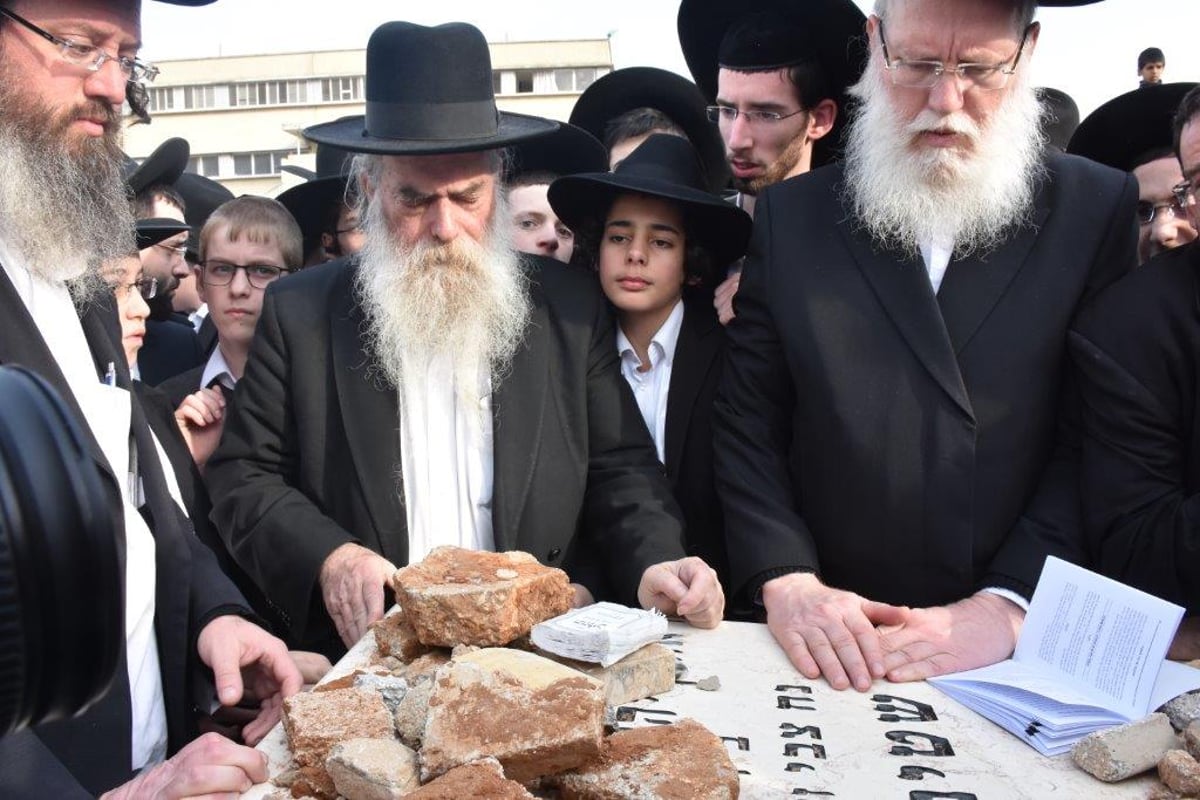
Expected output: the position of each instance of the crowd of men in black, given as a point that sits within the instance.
(835, 337)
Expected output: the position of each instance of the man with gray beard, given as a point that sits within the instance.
(895, 439)
(439, 388)
(64, 72)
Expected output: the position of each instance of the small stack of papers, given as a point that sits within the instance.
(602, 633)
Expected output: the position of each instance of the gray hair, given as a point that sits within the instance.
(1023, 11)
(369, 166)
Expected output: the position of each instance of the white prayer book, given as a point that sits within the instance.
(602, 633)
(1091, 655)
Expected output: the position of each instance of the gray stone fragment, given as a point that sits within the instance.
(412, 711)
(1115, 754)
(391, 688)
(373, 769)
(709, 684)
(1182, 710)
(1180, 772)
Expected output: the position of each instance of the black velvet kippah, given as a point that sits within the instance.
(766, 40)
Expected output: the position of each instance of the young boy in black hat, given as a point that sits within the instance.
(658, 238)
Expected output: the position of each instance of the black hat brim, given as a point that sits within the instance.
(1129, 126)
(158, 229)
(201, 196)
(724, 228)
(567, 151)
(310, 201)
(351, 134)
(636, 87)
(163, 166)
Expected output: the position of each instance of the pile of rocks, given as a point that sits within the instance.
(458, 704)
(1168, 740)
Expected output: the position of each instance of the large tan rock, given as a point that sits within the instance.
(373, 769)
(645, 672)
(458, 596)
(481, 779)
(1180, 772)
(684, 760)
(1115, 754)
(536, 716)
(395, 637)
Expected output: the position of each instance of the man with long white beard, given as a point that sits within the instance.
(894, 436)
(439, 388)
(64, 69)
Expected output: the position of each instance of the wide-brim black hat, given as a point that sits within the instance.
(567, 151)
(201, 197)
(663, 166)
(1129, 126)
(309, 202)
(153, 230)
(649, 87)
(834, 32)
(429, 91)
(163, 166)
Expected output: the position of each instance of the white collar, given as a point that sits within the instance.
(666, 337)
(216, 368)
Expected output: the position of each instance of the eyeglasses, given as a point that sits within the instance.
(177, 249)
(88, 55)
(146, 287)
(220, 273)
(925, 74)
(1147, 211)
(728, 114)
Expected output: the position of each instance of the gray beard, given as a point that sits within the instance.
(466, 304)
(64, 214)
(904, 197)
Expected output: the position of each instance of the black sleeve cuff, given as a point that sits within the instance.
(997, 581)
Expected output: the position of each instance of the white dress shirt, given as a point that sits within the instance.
(651, 387)
(446, 462)
(217, 368)
(107, 411)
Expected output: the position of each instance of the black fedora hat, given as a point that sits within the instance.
(310, 201)
(832, 32)
(663, 166)
(201, 196)
(163, 166)
(1062, 115)
(1130, 126)
(153, 230)
(429, 91)
(567, 151)
(649, 87)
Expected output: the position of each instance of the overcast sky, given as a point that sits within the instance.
(1089, 52)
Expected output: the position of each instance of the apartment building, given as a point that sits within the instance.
(243, 115)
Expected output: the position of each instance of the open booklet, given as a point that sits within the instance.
(1091, 654)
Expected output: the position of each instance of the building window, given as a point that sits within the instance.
(253, 164)
(524, 81)
(575, 80)
(497, 82)
(162, 99)
(268, 93)
(338, 90)
(199, 96)
(208, 166)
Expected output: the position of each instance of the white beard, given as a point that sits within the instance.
(904, 197)
(64, 213)
(465, 305)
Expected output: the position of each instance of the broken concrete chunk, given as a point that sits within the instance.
(1182, 710)
(373, 769)
(536, 716)
(479, 779)
(412, 711)
(1115, 754)
(1180, 772)
(681, 760)
(645, 672)
(396, 638)
(391, 688)
(315, 721)
(458, 596)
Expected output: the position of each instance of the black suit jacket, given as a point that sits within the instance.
(91, 754)
(309, 459)
(910, 447)
(171, 347)
(1137, 351)
(695, 374)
